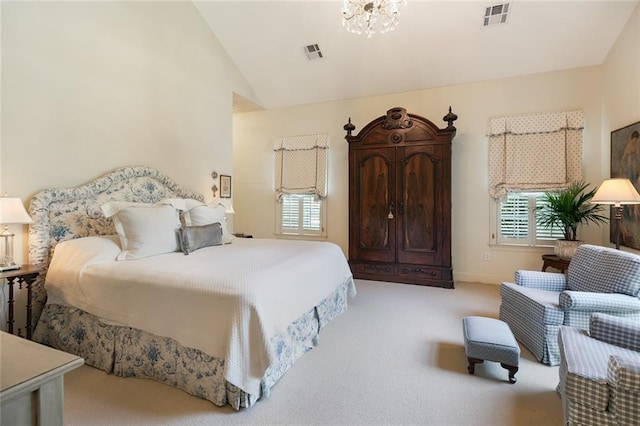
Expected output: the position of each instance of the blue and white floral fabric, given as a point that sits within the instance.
(63, 214)
(128, 352)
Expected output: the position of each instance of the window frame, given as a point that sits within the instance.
(300, 231)
(536, 236)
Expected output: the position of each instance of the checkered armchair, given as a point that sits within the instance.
(600, 372)
(599, 279)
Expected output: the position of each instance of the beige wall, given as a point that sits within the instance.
(608, 94)
(91, 86)
(621, 89)
(474, 103)
(621, 83)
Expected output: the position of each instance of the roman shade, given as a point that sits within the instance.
(538, 152)
(301, 165)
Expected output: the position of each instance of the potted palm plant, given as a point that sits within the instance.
(567, 209)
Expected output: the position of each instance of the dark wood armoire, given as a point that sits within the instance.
(400, 199)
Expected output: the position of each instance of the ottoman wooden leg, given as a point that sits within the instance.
(512, 372)
(472, 364)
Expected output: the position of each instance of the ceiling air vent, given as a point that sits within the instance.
(313, 52)
(495, 15)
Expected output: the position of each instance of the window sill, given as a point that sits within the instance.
(301, 237)
(519, 248)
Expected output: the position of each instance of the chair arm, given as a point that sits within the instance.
(619, 331)
(612, 303)
(541, 280)
(624, 373)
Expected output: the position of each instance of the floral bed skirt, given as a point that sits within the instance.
(128, 352)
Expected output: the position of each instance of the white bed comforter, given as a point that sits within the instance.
(225, 300)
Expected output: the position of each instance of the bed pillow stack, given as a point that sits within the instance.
(151, 229)
(144, 229)
(200, 214)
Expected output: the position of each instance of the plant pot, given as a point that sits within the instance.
(565, 249)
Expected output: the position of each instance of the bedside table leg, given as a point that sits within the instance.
(26, 275)
(10, 301)
(29, 309)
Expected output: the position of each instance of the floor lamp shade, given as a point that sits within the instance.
(11, 212)
(616, 192)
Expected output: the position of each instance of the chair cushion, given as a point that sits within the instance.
(624, 378)
(615, 330)
(584, 363)
(541, 306)
(604, 270)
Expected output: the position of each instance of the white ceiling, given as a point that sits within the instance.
(437, 43)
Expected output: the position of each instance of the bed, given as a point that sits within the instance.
(222, 323)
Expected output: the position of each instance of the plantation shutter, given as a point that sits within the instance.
(301, 165)
(515, 217)
(518, 224)
(311, 214)
(290, 213)
(541, 152)
(301, 214)
(543, 232)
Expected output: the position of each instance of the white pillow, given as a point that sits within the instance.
(198, 215)
(144, 229)
(112, 207)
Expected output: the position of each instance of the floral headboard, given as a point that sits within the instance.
(64, 214)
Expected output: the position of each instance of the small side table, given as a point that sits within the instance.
(32, 382)
(26, 275)
(551, 260)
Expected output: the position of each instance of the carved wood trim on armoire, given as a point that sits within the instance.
(400, 199)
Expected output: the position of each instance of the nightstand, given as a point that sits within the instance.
(26, 275)
(551, 260)
(32, 382)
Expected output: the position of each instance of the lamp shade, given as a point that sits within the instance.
(12, 211)
(616, 191)
(228, 207)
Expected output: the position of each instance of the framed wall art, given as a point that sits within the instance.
(225, 186)
(625, 163)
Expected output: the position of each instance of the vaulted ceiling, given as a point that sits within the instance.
(437, 43)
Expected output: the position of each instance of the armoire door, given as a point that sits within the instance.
(423, 204)
(373, 205)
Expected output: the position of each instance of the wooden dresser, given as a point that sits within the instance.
(400, 199)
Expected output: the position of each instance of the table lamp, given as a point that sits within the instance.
(228, 207)
(11, 212)
(616, 192)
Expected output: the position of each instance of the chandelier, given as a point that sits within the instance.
(371, 16)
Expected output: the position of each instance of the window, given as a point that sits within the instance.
(536, 152)
(300, 178)
(527, 153)
(517, 224)
(301, 214)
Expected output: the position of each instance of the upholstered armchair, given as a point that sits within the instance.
(600, 372)
(599, 279)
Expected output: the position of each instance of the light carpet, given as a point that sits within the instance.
(395, 357)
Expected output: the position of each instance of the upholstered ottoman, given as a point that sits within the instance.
(490, 339)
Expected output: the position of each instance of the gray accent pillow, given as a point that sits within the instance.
(193, 238)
